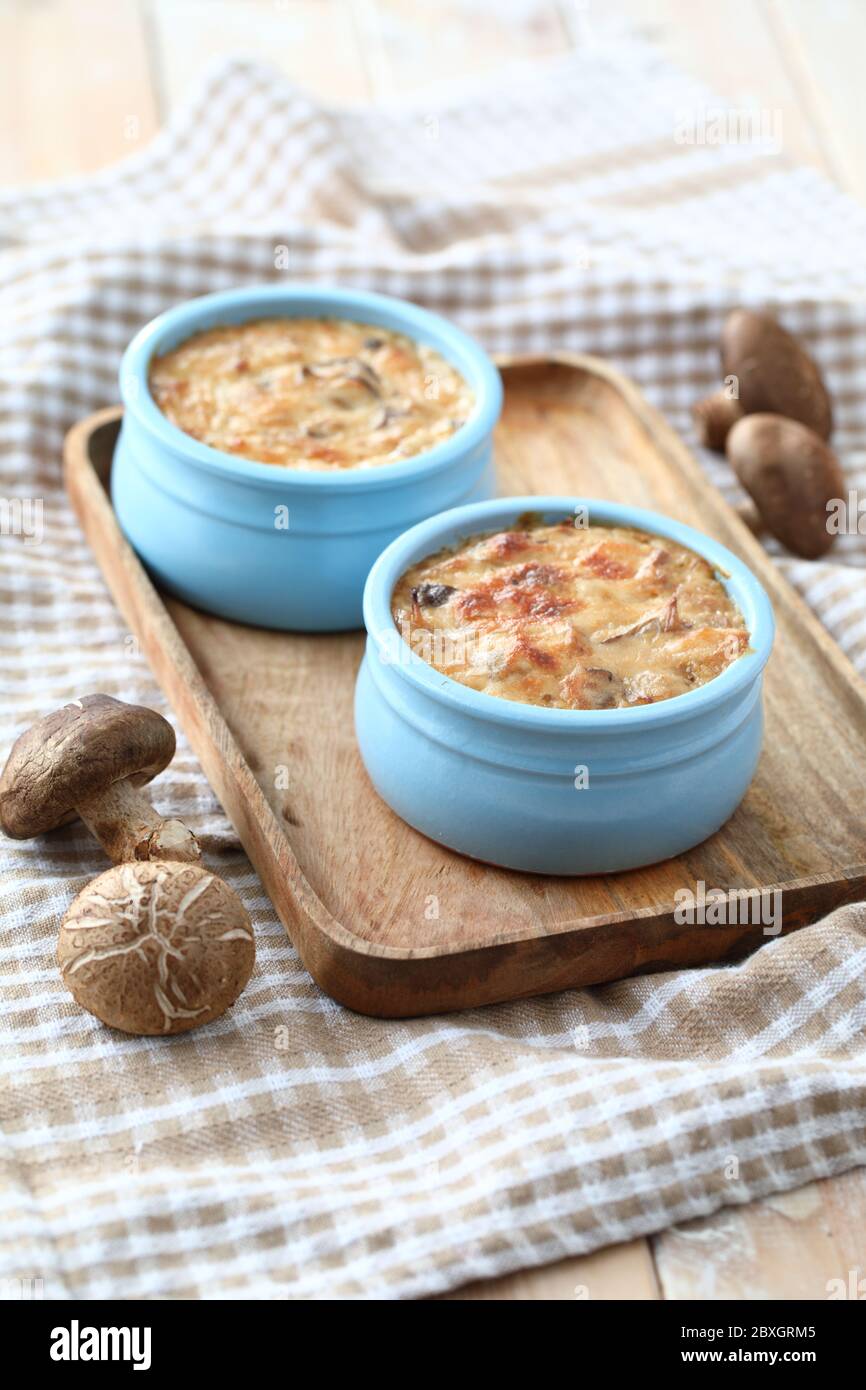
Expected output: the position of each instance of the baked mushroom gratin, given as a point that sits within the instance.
(311, 393)
(571, 617)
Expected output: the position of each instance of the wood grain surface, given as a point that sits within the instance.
(270, 716)
(795, 56)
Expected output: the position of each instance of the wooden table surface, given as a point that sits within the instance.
(84, 82)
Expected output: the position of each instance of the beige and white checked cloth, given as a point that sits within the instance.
(293, 1149)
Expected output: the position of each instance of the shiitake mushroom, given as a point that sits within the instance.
(791, 474)
(775, 374)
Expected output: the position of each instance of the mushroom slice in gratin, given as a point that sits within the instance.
(571, 617)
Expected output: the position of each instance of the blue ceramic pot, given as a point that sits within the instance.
(281, 547)
(496, 780)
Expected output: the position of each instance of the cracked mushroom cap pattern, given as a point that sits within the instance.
(156, 948)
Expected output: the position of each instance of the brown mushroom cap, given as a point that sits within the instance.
(76, 753)
(791, 475)
(156, 948)
(775, 374)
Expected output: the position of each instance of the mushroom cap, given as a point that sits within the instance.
(156, 947)
(775, 373)
(791, 476)
(76, 753)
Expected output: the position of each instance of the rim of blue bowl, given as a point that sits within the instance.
(449, 527)
(291, 301)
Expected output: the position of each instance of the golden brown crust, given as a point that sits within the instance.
(570, 617)
(311, 393)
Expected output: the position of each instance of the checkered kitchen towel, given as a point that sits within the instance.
(581, 208)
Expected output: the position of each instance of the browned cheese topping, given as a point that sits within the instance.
(311, 393)
(571, 617)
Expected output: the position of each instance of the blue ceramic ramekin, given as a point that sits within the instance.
(281, 547)
(503, 782)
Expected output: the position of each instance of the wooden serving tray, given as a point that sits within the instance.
(389, 923)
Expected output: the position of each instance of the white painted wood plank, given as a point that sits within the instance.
(314, 42)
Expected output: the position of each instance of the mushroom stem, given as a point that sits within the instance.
(748, 512)
(127, 827)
